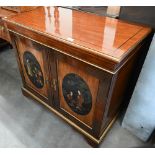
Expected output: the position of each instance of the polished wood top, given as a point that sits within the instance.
(6, 13)
(104, 36)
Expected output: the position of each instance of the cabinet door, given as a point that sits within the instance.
(32, 60)
(79, 91)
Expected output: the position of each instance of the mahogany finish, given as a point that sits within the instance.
(19, 8)
(27, 45)
(104, 38)
(6, 11)
(3, 31)
(92, 82)
(85, 61)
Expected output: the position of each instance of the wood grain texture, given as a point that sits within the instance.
(19, 8)
(27, 45)
(10, 11)
(4, 34)
(6, 13)
(88, 73)
(97, 36)
(100, 50)
(92, 82)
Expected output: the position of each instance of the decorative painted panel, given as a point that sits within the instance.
(77, 91)
(33, 69)
(32, 61)
(77, 94)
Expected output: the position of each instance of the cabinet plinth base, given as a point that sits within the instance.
(94, 142)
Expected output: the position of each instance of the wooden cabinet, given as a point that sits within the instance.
(6, 11)
(77, 90)
(79, 70)
(19, 8)
(3, 31)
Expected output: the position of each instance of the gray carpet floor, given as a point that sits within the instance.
(25, 123)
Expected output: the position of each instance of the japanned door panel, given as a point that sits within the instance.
(78, 91)
(32, 56)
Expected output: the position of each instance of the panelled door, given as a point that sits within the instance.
(78, 90)
(32, 58)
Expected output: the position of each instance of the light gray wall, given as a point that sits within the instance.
(140, 115)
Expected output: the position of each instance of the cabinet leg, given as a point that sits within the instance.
(92, 143)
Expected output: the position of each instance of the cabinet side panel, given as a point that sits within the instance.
(125, 80)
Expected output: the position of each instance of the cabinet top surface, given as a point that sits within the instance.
(6, 13)
(103, 35)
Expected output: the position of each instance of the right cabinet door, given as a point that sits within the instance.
(80, 94)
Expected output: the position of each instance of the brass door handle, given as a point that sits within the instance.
(54, 84)
(1, 27)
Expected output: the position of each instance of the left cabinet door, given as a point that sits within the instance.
(34, 65)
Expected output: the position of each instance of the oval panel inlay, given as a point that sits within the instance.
(33, 69)
(77, 94)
